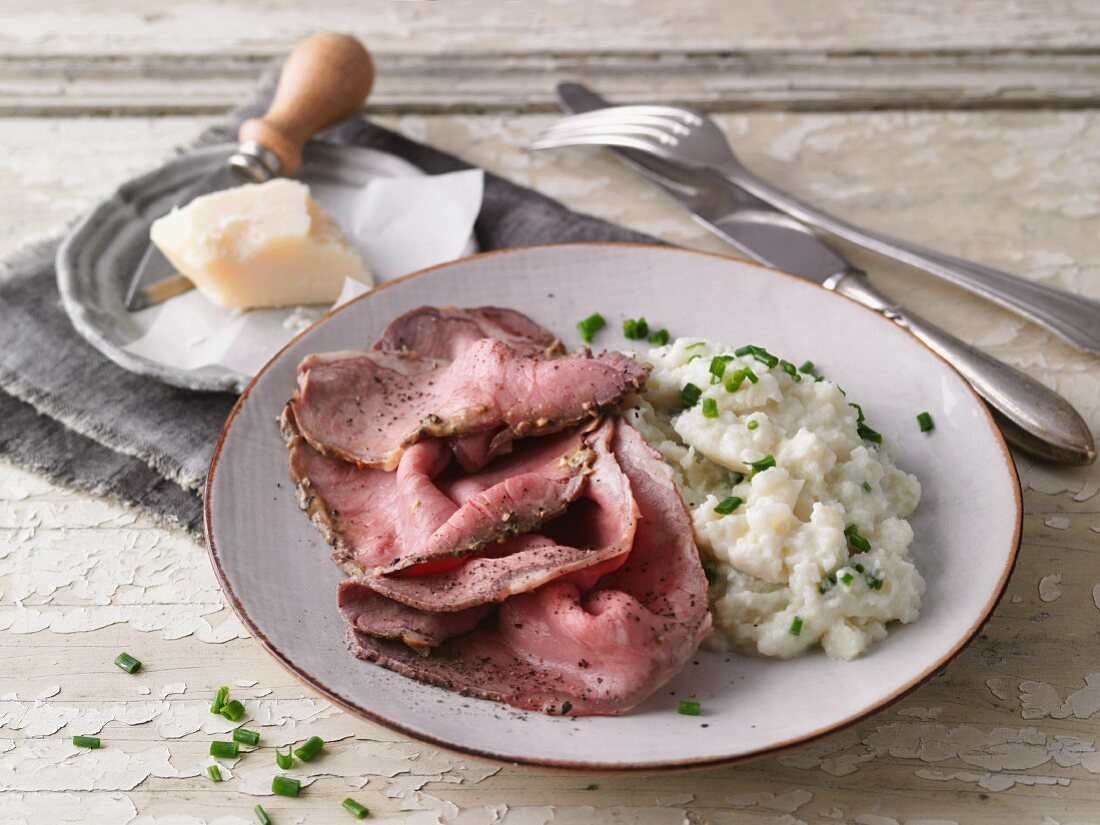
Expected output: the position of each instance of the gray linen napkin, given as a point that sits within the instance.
(73, 415)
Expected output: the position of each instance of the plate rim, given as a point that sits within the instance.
(607, 767)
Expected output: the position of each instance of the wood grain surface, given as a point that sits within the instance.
(989, 147)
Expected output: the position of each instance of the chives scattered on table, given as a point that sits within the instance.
(590, 326)
(635, 330)
(689, 708)
(246, 737)
(924, 420)
(232, 710)
(219, 699)
(710, 408)
(728, 505)
(796, 626)
(87, 741)
(355, 809)
(310, 748)
(807, 367)
(285, 785)
(660, 337)
(689, 395)
(857, 541)
(261, 815)
(763, 464)
(128, 663)
(225, 750)
(214, 772)
(284, 760)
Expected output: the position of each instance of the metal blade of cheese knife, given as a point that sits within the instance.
(1032, 417)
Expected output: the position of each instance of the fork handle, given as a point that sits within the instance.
(1032, 417)
(1073, 317)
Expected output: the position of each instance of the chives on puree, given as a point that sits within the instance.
(214, 772)
(310, 748)
(261, 815)
(590, 326)
(710, 570)
(857, 541)
(225, 750)
(128, 663)
(355, 809)
(752, 425)
(246, 737)
(284, 760)
(635, 330)
(219, 699)
(728, 505)
(710, 408)
(87, 741)
(806, 368)
(232, 710)
(791, 370)
(862, 429)
(689, 708)
(689, 395)
(660, 337)
(866, 486)
(924, 420)
(763, 464)
(718, 368)
(796, 626)
(285, 785)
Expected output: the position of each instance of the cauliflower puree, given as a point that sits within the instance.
(811, 551)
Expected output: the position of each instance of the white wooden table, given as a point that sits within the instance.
(967, 126)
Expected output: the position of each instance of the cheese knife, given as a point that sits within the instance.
(325, 79)
(1032, 417)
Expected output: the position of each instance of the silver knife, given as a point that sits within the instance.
(1032, 417)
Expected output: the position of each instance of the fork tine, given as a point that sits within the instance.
(628, 112)
(625, 141)
(666, 123)
(627, 130)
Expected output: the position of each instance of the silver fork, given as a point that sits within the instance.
(692, 139)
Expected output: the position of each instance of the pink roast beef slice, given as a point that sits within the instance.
(402, 521)
(444, 332)
(368, 407)
(367, 612)
(530, 561)
(559, 650)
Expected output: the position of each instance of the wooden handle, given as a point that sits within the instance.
(324, 80)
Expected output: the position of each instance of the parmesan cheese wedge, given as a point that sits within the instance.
(260, 245)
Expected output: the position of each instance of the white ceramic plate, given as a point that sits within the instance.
(277, 574)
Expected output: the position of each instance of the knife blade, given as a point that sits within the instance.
(1031, 416)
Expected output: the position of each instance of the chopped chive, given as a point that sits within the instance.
(261, 815)
(858, 567)
(635, 330)
(807, 367)
(284, 760)
(246, 737)
(847, 577)
(285, 785)
(87, 741)
(765, 357)
(749, 374)
(660, 337)
(590, 326)
(718, 368)
(741, 352)
(827, 584)
(689, 395)
(753, 424)
(873, 581)
(866, 486)
(819, 379)
(128, 663)
(225, 750)
(214, 772)
(862, 429)
(736, 380)
(710, 408)
(763, 464)
(689, 708)
(736, 478)
(796, 626)
(232, 710)
(790, 369)
(728, 505)
(219, 699)
(355, 809)
(310, 748)
(710, 570)
(857, 541)
(696, 345)
(925, 422)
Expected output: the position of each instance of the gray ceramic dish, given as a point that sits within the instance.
(276, 573)
(96, 260)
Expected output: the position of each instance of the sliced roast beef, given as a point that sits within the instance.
(558, 649)
(368, 407)
(367, 612)
(444, 332)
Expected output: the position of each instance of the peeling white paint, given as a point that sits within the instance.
(788, 802)
(1040, 700)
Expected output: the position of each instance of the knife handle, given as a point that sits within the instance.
(1032, 417)
(325, 79)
